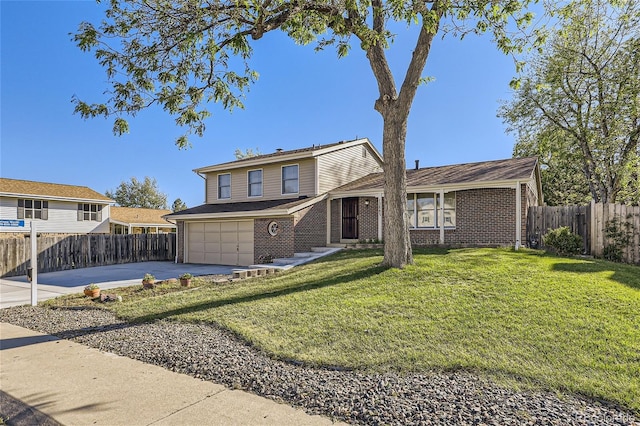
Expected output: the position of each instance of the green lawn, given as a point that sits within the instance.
(520, 317)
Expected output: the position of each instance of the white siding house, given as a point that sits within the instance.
(54, 208)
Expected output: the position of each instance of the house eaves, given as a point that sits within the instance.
(276, 211)
(54, 198)
(285, 156)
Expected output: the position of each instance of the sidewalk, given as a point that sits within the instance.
(77, 385)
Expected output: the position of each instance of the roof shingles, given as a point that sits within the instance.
(16, 187)
(139, 216)
(486, 171)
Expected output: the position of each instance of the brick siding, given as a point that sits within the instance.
(281, 245)
(180, 240)
(336, 222)
(310, 227)
(368, 218)
(484, 217)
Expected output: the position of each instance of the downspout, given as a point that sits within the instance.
(518, 215)
(206, 195)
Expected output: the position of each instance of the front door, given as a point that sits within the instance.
(350, 218)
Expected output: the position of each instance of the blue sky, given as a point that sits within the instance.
(301, 98)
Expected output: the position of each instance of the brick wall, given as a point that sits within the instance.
(180, 240)
(280, 245)
(336, 221)
(484, 217)
(368, 218)
(310, 227)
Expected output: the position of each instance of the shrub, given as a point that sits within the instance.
(148, 277)
(563, 241)
(619, 237)
(186, 276)
(92, 287)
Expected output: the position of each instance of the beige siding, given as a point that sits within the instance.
(271, 182)
(343, 166)
(63, 218)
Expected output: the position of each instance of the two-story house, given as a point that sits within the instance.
(53, 207)
(277, 204)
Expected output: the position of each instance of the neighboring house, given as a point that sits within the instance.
(277, 204)
(133, 220)
(54, 208)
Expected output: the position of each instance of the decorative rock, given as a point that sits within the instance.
(104, 298)
(210, 353)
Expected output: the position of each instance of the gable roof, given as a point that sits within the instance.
(511, 169)
(139, 216)
(24, 188)
(295, 154)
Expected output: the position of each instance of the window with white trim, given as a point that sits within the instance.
(33, 209)
(424, 210)
(224, 186)
(89, 212)
(254, 182)
(290, 179)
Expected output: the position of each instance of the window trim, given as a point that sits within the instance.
(282, 179)
(218, 185)
(81, 212)
(437, 210)
(21, 212)
(261, 183)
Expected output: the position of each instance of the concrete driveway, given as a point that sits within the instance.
(16, 291)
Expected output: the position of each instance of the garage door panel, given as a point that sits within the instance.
(225, 242)
(196, 257)
(212, 227)
(229, 259)
(212, 258)
(228, 226)
(212, 247)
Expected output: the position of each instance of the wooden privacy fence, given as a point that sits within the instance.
(590, 222)
(58, 252)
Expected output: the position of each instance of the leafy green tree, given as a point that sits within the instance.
(248, 153)
(583, 89)
(563, 182)
(178, 205)
(183, 54)
(143, 194)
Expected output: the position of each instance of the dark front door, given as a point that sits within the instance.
(350, 218)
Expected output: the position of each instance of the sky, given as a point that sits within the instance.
(302, 98)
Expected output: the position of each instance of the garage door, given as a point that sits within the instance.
(224, 243)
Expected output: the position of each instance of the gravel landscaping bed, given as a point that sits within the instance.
(209, 353)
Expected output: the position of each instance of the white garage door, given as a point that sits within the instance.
(224, 243)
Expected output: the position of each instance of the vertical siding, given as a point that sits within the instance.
(271, 182)
(345, 165)
(63, 218)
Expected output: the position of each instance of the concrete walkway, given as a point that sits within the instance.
(77, 385)
(15, 291)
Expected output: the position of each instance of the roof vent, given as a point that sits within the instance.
(417, 164)
(279, 149)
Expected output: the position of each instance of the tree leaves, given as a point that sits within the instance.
(585, 88)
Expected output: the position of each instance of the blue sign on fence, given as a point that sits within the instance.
(12, 222)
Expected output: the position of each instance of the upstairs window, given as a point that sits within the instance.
(254, 178)
(33, 209)
(90, 212)
(290, 179)
(224, 186)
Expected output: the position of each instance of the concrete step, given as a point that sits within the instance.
(304, 254)
(320, 249)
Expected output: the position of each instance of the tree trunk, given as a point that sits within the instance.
(397, 243)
